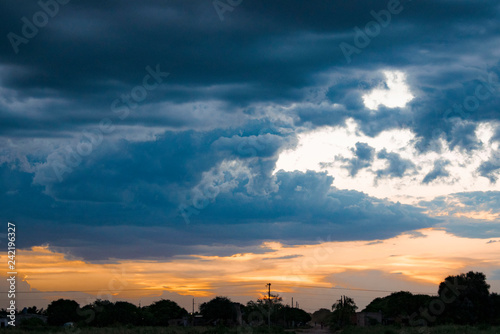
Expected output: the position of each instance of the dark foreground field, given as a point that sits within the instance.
(451, 329)
(249, 330)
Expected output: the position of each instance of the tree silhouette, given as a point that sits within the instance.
(62, 311)
(219, 310)
(400, 304)
(286, 315)
(494, 305)
(34, 310)
(119, 313)
(343, 310)
(467, 297)
(165, 310)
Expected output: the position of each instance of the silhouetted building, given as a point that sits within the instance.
(368, 318)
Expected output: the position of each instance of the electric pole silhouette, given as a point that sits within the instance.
(269, 302)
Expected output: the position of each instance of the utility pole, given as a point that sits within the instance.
(342, 309)
(269, 302)
(192, 316)
(292, 302)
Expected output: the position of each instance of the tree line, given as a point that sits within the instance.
(461, 299)
(220, 311)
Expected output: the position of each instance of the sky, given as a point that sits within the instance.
(190, 149)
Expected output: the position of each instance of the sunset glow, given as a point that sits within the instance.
(427, 259)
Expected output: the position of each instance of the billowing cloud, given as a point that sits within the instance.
(491, 168)
(238, 204)
(363, 157)
(439, 171)
(397, 166)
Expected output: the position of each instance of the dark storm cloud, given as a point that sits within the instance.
(343, 98)
(131, 194)
(452, 108)
(438, 171)
(464, 135)
(90, 53)
(268, 65)
(265, 145)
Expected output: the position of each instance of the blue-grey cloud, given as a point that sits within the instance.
(240, 64)
(125, 197)
(491, 168)
(374, 243)
(438, 171)
(287, 257)
(415, 234)
(488, 201)
(468, 214)
(363, 157)
(470, 228)
(463, 135)
(397, 166)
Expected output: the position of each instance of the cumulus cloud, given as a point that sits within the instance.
(300, 208)
(491, 168)
(438, 171)
(463, 134)
(363, 157)
(397, 166)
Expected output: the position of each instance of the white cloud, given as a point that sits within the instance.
(317, 150)
(396, 94)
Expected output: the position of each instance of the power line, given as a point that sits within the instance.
(361, 289)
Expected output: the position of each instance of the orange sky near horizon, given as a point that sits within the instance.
(406, 262)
